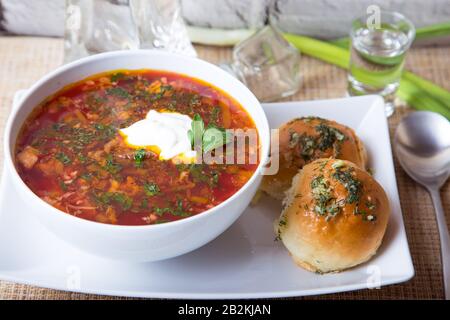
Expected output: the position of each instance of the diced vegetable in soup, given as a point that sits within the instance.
(119, 148)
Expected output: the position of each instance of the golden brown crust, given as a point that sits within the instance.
(335, 216)
(303, 140)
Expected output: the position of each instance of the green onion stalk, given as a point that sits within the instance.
(417, 92)
(435, 30)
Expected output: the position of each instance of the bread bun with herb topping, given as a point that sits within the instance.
(334, 216)
(306, 139)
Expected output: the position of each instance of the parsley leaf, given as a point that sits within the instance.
(215, 137)
(207, 139)
(139, 157)
(195, 134)
(64, 158)
(108, 198)
(151, 189)
(118, 91)
(111, 166)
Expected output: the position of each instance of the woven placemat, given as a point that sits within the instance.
(23, 60)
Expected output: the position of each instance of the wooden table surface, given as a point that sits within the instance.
(23, 60)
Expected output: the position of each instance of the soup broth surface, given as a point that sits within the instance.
(71, 154)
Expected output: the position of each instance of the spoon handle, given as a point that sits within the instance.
(445, 239)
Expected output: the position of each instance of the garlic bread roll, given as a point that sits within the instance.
(303, 140)
(334, 217)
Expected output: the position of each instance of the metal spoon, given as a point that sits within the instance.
(422, 145)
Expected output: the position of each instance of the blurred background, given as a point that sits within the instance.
(323, 19)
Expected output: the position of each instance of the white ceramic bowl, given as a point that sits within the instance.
(137, 243)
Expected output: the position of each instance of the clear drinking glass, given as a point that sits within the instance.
(267, 64)
(377, 55)
(94, 26)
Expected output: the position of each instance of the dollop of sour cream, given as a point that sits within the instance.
(167, 131)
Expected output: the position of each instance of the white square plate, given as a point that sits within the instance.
(244, 262)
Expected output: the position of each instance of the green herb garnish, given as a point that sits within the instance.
(58, 126)
(86, 176)
(370, 205)
(215, 115)
(195, 134)
(82, 158)
(198, 173)
(144, 204)
(282, 222)
(194, 101)
(358, 211)
(294, 138)
(159, 221)
(215, 178)
(118, 92)
(338, 164)
(108, 198)
(151, 189)
(364, 214)
(308, 146)
(161, 211)
(207, 139)
(62, 185)
(111, 166)
(321, 193)
(160, 94)
(104, 132)
(325, 204)
(139, 157)
(64, 158)
(176, 211)
(117, 76)
(328, 136)
(352, 185)
(215, 137)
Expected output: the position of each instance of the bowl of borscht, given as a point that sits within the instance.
(137, 155)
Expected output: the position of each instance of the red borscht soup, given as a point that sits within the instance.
(112, 149)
